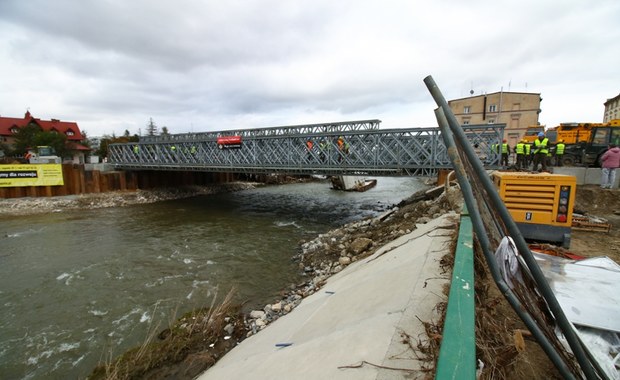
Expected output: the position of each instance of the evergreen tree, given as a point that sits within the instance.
(32, 136)
(86, 140)
(58, 141)
(151, 128)
(24, 138)
(103, 145)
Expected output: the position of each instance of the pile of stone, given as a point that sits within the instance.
(25, 206)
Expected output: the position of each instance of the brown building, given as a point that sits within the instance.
(612, 109)
(517, 110)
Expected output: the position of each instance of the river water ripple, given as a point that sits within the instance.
(79, 287)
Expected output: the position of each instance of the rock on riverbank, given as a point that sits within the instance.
(331, 252)
(318, 259)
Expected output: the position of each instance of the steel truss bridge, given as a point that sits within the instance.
(367, 150)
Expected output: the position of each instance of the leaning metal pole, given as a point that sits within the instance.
(485, 244)
(552, 302)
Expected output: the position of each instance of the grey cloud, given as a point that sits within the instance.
(175, 37)
(254, 61)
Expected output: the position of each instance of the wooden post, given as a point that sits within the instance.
(81, 178)
(122, 181)
(96, 181)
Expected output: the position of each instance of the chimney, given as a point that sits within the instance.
(27, 115)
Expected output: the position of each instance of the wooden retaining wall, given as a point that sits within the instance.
(77, 180)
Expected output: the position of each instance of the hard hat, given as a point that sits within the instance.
(541, 134)
(561, 141)
(504, 140)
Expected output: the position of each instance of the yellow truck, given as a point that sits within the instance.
(541, 204)
(577, 138)
(531, 133)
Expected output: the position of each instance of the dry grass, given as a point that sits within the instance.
(499, 334)
(192, 344)
(427, 348)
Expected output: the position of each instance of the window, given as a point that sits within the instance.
(491, 121)
(492, 108)
(14, 130)
(70, 133)
(600, 136)
(615, 137)
(466, 109)
(466, 122)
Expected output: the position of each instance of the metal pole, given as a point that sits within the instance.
(565, 325)
(474, 213)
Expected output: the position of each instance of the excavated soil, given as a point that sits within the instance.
(498, 329)
(594, 201)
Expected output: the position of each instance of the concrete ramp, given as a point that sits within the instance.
(360, 318)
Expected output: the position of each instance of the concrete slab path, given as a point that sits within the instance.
(368, 317)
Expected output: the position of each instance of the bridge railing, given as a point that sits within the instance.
(370, 151)
(304, 129)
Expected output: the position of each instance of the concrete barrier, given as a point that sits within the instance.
(585, 176)
(102, 167)
(593, 177)
(579, 173)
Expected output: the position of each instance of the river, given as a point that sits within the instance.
(80, 287)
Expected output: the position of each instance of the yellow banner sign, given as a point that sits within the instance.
(31, 175)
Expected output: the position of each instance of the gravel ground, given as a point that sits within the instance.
(29, 206)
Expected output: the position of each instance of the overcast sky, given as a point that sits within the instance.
(198, 65)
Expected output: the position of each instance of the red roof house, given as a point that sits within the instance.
(10, 125)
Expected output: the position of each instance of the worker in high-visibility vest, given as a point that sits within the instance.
(559, 152)
(309, 146)
(505, 153)
(343, 148)
(541, 150)
(520, 152)
(324, 149)
(528, 154)
(496, 149)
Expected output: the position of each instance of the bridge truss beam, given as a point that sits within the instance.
(284, 150)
